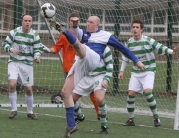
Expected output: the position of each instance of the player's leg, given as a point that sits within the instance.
(83, 88)
(100, 98)
(130, 108)
(30, 100)
(26, 75)
(80, 48)
(93, 99)
(69, 105)
(12, 77)
(99, 92)
(148, 83)
(134, 86)
(79, 116)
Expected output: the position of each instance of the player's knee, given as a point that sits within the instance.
(100, 100)
(75, 97)
(12, 86)
(28, 90)
(132, 93)
(65, 93)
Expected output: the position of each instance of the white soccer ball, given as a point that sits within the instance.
(48, 10)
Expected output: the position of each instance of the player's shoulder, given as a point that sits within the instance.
(130, 40)
(32, 30)
(15, 30)
(104, 32)
(146, 38)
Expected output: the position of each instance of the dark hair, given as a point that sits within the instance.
(73, 14)
(139, 22)
(25, 15)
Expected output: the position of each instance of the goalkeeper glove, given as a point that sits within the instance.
(46, 49)
(57, 98)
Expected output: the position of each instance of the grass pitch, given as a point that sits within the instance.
(52, 123)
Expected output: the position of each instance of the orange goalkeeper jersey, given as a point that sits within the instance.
(68, 52)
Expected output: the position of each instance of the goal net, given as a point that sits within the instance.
(160, 21)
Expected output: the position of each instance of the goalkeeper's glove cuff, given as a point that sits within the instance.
(46, 49)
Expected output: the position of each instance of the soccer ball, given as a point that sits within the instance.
(48, 10)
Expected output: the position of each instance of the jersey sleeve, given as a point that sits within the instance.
(59, 44)
(38, 47)
(78, 32)
(159, 48)
(107, 57)
(8, 41)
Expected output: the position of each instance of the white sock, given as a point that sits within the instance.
(29, 101)
(13, 101)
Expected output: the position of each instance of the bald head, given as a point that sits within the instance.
(93, 24)
(95, 18)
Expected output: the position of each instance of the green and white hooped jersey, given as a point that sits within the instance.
(143, 49)
(29, 45)
(106, 68)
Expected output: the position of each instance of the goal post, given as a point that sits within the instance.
(51, 34)
(176, 120)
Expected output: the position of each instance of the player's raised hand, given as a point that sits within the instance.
(75, 21)
(120, 75)
(46, 49)
(140, 65)
(175, 49)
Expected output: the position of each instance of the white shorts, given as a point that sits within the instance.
(21, 72)
(89, 84)
(141, 81)
(86, 65)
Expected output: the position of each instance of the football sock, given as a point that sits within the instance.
(13, 100)
(152, 103)
(131, 106)
(103, 114)
(93, 99)
(78, 112)
(70, 117)
(70, 37)
(29, 101)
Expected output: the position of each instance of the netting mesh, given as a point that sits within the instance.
(161, 23)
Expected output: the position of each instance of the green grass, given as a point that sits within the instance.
(52, 123)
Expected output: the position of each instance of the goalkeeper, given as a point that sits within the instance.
(142, 81)
(90, 57)
(68, 54)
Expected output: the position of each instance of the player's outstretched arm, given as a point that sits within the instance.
(175, 50)
(46, 49)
